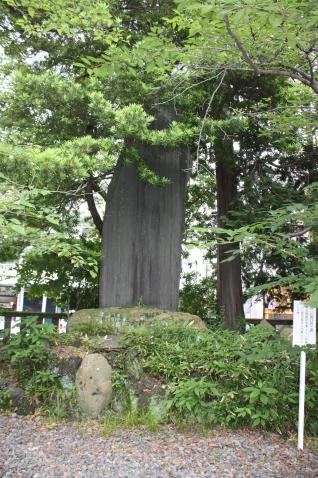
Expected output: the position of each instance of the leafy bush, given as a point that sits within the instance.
(5, 400)
(196, 297)
(222, 377)
(193, 397)
(70, 338)
(28, 351)
(44, 385)
(94, 328)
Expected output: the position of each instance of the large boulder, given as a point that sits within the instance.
(93, 384)
(121, 319)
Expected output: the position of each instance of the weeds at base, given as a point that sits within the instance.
(133, 419)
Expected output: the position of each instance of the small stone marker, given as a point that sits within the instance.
(93, 384)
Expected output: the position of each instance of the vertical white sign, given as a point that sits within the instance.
(304, 333)
(20, 300)
(304, 324)
(16, 321)
(44, 301)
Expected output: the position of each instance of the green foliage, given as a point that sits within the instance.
(65, 269)
(58, 259)
(54, 400)
(198, 297)
(63, 17)
(259, 398)
(132, 121)
(5, 400)
(223, 378)
(125, 410)
(28, 351)
(193, 398)
(29, 354)
(289, 233)
(67, 339)
(94, 328)
(44, 385)
(271, 38)
(136, 418)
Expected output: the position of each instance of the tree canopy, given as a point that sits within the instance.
(83, 86)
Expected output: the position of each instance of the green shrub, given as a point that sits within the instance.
(197, 297)
(94, 328)
(193, 399)
(28, 351)
(62, 403)
(44, 385)
(29, 355)
(224, 378)
(70, 338)
(5, 400)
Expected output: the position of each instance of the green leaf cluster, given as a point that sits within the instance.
(221, 377)
(31, 365)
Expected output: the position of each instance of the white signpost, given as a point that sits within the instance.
(304, 333)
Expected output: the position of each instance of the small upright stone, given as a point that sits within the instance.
(93, 384)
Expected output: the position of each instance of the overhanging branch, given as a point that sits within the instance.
(299, 233)
(286, 71)
(92, 206)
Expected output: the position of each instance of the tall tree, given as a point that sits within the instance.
(143, 228)
(147, 195)
(153, 48)
(142, 221)
(229, 275)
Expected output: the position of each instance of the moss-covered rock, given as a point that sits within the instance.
(120, 319)
(66, 362)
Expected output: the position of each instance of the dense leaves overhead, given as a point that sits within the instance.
(83, 82)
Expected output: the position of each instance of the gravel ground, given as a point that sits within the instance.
(29, 449)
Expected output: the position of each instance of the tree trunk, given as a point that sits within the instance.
(229, 281)
(142, 230)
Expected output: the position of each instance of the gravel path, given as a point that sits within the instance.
(28, 449)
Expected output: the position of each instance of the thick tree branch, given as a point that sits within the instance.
(92, 206)
(96, 187)
(239, 44)
(287, 71)
(299, 233)
(311, 63)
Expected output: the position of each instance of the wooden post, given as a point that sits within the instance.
(7, 328)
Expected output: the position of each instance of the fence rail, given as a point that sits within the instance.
(25, 313)
(275, 320)
(10, 314)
